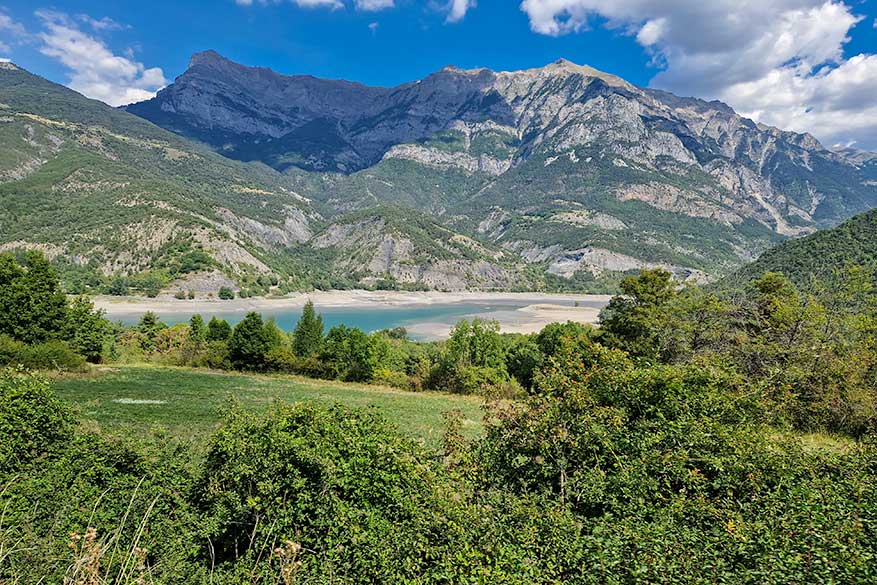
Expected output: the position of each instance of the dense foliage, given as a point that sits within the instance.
(691, 438)
(818, 255)
(39, 327)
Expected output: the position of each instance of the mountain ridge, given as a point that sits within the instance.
(560, 177)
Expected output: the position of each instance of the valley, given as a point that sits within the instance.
(555, 179)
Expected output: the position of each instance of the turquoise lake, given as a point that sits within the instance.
(422, 321)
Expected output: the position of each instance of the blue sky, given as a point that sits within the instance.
(806, 65)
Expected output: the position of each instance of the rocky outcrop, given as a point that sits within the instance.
(380, 246)
(447, 160)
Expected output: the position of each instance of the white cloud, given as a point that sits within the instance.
(364, 5)
(373, 26)
(332, 4)
(10, 31)
(457, 9)
(779, 61)
(374, 5)
(100, 24)
(95, 70)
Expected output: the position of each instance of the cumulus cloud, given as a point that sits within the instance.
(779, 61)
(457, 9)
(95, 71)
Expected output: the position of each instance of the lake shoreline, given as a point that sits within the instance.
(335, 298)
(527, 312)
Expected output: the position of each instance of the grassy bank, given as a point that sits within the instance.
(187, 402)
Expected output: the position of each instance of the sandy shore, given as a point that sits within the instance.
(527, 319)
(532, 313)
(335, 298)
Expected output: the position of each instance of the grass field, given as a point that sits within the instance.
(187, 403)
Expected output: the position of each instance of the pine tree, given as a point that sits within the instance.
(250, 342)
(197, 329)
(218, 330)
(307, 339)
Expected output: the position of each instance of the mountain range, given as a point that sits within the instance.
(561, 177)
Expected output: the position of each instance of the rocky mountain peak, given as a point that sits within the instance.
(481, 121)
(566, 168)
(208, 57)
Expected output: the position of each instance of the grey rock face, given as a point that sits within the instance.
(784, 180)
(563, 167)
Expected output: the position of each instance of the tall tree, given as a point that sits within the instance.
(86, 329)
(218, 330)
(197, 329)
(250, 342)
(33, 306)
(632, 319)
(308, 335)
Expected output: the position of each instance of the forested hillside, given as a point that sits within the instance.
(820, 255)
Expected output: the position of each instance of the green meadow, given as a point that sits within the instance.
(188, 403)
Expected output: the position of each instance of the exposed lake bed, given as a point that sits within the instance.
(426, 315)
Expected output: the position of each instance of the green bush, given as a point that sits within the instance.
(283, 360)
(479, 380)
(225, 293)
(52, 355)
(33, 421)
(342, 484)
(392, 378)
(215, 355)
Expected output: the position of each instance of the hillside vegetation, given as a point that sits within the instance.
(583, 175)
(820, 255)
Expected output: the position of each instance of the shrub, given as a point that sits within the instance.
(341, 483)
(225, 293)
(283, 360)
(392, 378)
(33, 421)
(478, 380)
(214, 355)
(52, 355)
